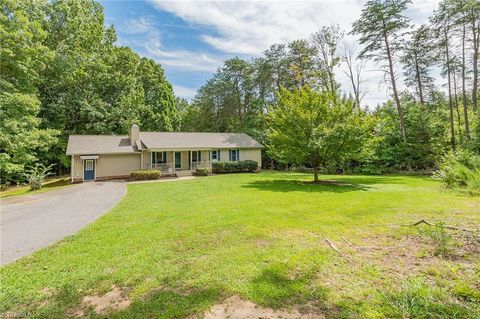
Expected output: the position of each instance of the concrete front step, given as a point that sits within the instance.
(183, 173)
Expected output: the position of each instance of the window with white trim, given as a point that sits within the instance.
(234, 155)
(196, 156)
(215, 155)
(159, 157)
(89, 165)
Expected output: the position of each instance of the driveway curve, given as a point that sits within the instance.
(31, 222)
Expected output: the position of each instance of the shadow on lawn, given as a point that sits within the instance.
(285, 185)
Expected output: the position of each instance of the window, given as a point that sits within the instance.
(159, 157)
(89, 165)
(234, 155)
(196, 156)
(215, 155)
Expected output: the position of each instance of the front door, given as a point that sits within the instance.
(178, 160)
(89, 170)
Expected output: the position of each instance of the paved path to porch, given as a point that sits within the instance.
(31, 222)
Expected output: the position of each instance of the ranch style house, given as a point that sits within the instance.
(101, 157)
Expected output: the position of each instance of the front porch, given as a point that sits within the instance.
(182, 162)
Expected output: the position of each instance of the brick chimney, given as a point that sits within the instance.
(134, 134)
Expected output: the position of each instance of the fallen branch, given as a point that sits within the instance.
(348, 242)
(423, 221)
(333, 246)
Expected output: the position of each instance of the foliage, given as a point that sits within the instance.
(202, 171)
(460, 169)
(418, 57)
(418, 299)
(145, 175)
(427, 130)
(441, 239)
(233, 167)
(36, 175)
(50, 184)
(315, 128)
(62, 74)
(23, 56)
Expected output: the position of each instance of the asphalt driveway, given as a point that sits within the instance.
(31, 222)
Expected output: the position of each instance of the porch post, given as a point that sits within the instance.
(210, 159)
(173, 155)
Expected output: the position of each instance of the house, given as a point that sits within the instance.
(100, 157)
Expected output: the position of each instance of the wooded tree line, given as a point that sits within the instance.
(437, 112)
(61, 74)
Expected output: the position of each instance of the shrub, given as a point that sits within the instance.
(460, 169)
(145, 175)
(37, 175)
(233, 167)
(441, 239)
(202, 171)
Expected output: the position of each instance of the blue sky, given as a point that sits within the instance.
(191, 39)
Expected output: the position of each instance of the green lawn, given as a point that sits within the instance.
(178, 248)
(49, 185)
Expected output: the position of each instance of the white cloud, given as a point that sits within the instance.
(149, 37)
(250, 27)
(184, 92)
(181, 59)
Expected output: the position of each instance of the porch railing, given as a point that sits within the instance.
(164, 167)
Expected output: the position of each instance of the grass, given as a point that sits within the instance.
(50, 184)
(178, 248)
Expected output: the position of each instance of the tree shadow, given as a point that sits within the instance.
(276, 288)
(286, 185)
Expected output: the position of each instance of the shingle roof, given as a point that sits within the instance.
(169, 140)
(99, 144)
(110, 144)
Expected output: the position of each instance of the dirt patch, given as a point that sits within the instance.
(102, 304)
(236, 308)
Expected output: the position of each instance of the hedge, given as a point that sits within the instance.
(145, 175)
(233, 167)
(201, 171)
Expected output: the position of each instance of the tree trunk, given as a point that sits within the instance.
(450, 104)
(456, 104)
(419, 80)
(476, 44)
(315, 174)
(394, 88)
(464, 91)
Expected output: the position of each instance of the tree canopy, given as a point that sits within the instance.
(316, 128)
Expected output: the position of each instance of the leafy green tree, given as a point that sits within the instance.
(160, 111)
(22, 59)
(427, 136)
(92, 86)
(380, 27)
(301, 62)
(315, 128)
